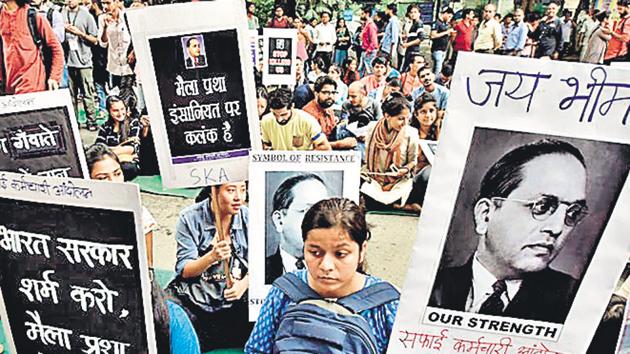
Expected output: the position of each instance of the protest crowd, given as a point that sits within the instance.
(377, 83)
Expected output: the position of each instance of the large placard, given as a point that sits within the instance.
(283, 186)
(73, 264)
(39, 135)
(199, 87)
(279, 55)
(522, 235)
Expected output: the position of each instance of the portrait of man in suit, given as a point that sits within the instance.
(291, 200)
(529, 202)
(194, 52)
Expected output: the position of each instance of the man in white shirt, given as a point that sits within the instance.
(528, 203)
(325, 38)
(113, 34)
(489, 33)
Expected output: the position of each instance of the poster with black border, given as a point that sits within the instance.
(198, 83)
(283, 185)
(279, 55)
(523, 232)
(74, 276)
(39, 135)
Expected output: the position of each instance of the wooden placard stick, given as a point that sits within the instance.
(221, 234)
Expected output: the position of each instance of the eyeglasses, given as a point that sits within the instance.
(545, 206)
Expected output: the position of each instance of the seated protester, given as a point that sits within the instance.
(377, 79)
(103, 165)
(287, 128)
(121, 132)
(334, 72)
(316, 70)
(174, 333)
(350, 71)
(148, 156)
(321, 106)
(410, 80)
(392, 84)
(425, 120)
(391, 154)
(445, 77)
(303, 95)
(428, 85)
(335, 235)
(261, 101)
(218, 312)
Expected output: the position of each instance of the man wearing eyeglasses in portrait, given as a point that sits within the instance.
(529, 202)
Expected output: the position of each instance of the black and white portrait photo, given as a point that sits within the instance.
(194, 51)
(529, 215)
(289, 196)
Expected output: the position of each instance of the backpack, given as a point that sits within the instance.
(40, 43)
(317, 325)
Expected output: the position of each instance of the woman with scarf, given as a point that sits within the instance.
(121, 132)
(392, 154)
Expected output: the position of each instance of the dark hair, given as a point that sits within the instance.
(98, 152)
(283, 196)
(278, 7)
(468, 11)
(447, 70)
(394, 104)
(322, 81)
(113, 99)
(623, 2)
(379, 60)
(319, 62)
(338, 212)
(339, 20)
(21, 3)
(601, 16)
(507, 173)
(422, 100)
(393, 82)
(532, 16)
(413, 6)
(161, 319)
(280, 98)
(347, 62)
(448, 10)
(190, 40)
(367, 8)
(417, 105)
(261, 92)
(422, 68)
(393, 8)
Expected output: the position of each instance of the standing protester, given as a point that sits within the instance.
(618, 45)
(325, 38)
(99, 60)
(343, 42)
(463, 39)
(410, 80)
(489, 36)
(598, 40)
(23, 62)
(389, 43)
(217, 309)
(548, 34)
(532, 21)
(440, 35)
(51, 12)
(414, 37)
(252, 20)
(114, 35)
(405, 26)
(279, 20)
(304, 39)
(369, 41)
(516, 35)
(585, 28)
(567, 31)
(81, 32)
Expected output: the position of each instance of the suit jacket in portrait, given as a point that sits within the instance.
(201, 61)
(546, 295)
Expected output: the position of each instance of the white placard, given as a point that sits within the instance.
(487, 211)
(279, 55)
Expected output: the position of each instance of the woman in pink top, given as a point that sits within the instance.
(303, 38)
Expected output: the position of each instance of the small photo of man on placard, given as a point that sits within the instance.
(194, 52)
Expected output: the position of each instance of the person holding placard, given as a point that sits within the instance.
(287, 128)
(212, 272)
(335, 235)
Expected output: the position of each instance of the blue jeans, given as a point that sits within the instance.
(340, 56)
(438, 60)
(366, 63)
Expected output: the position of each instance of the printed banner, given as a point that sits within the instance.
(199, 88)
(39, 135)
(73, 264)
(283, 186)
(279, 54)
(523, 231)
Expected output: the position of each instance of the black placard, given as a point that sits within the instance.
(125, 323)
(39, 142)
(280, 55)
(202, 98)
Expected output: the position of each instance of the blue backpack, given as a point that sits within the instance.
(317, 325)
